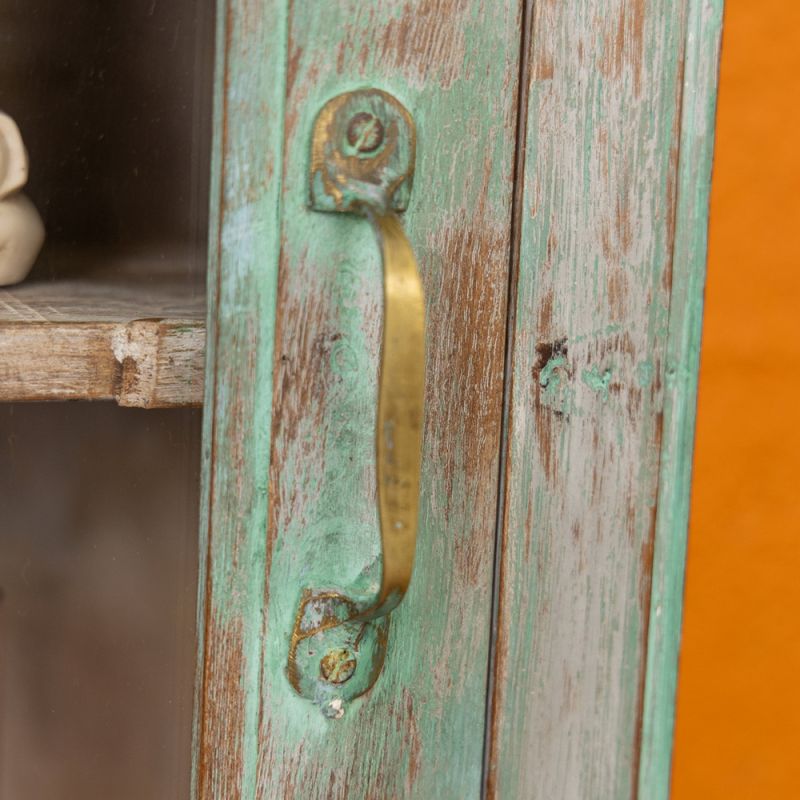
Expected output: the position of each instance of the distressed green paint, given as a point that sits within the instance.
(554, 379)
(419, 732)
(597, 381)
(588, 370)
(682, 365)
(602, 135)
(244, 245)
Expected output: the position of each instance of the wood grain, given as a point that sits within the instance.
(419, 732)
(243, 263)
(138, 342)
(295, 329)
(680, 394)
(589, 367)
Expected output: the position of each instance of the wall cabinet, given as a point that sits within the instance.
(561, 160)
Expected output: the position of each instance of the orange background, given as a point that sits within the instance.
(738, 718)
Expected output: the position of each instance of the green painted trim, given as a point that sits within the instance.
(209, 387)
(244, 247)
(682, 364)
(592, 314)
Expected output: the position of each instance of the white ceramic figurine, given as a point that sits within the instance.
(21, 228)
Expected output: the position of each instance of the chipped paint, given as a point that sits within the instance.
(554, 380)
(308, 406)
(693, 182)
(597, 381)
(595, 272)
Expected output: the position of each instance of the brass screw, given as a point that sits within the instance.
(337, 666)
(365, 132)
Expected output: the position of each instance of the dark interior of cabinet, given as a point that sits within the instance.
(113, 102)
(99, 504)
(97, 571)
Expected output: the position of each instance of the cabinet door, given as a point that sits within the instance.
(558, 217)
(291, 407)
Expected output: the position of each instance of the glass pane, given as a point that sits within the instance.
(97, 568)
(99, 503)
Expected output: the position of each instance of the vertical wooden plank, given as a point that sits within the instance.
(454, 64)
(242, 280)
(682, 365)
(419, 732)
(587, 395)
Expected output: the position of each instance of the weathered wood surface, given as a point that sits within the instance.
(680, 394)
(590, 362)
(139, 342)
(420, 731)
(244, 245)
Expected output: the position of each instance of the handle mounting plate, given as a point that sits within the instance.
(362, 153)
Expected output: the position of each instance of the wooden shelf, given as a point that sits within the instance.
(137, 341)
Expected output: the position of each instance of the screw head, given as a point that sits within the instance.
(337, 666)
(365, 132)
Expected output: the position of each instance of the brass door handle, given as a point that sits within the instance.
(362, 161)
(398, 438)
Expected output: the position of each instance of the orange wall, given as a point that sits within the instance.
(738, 723)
